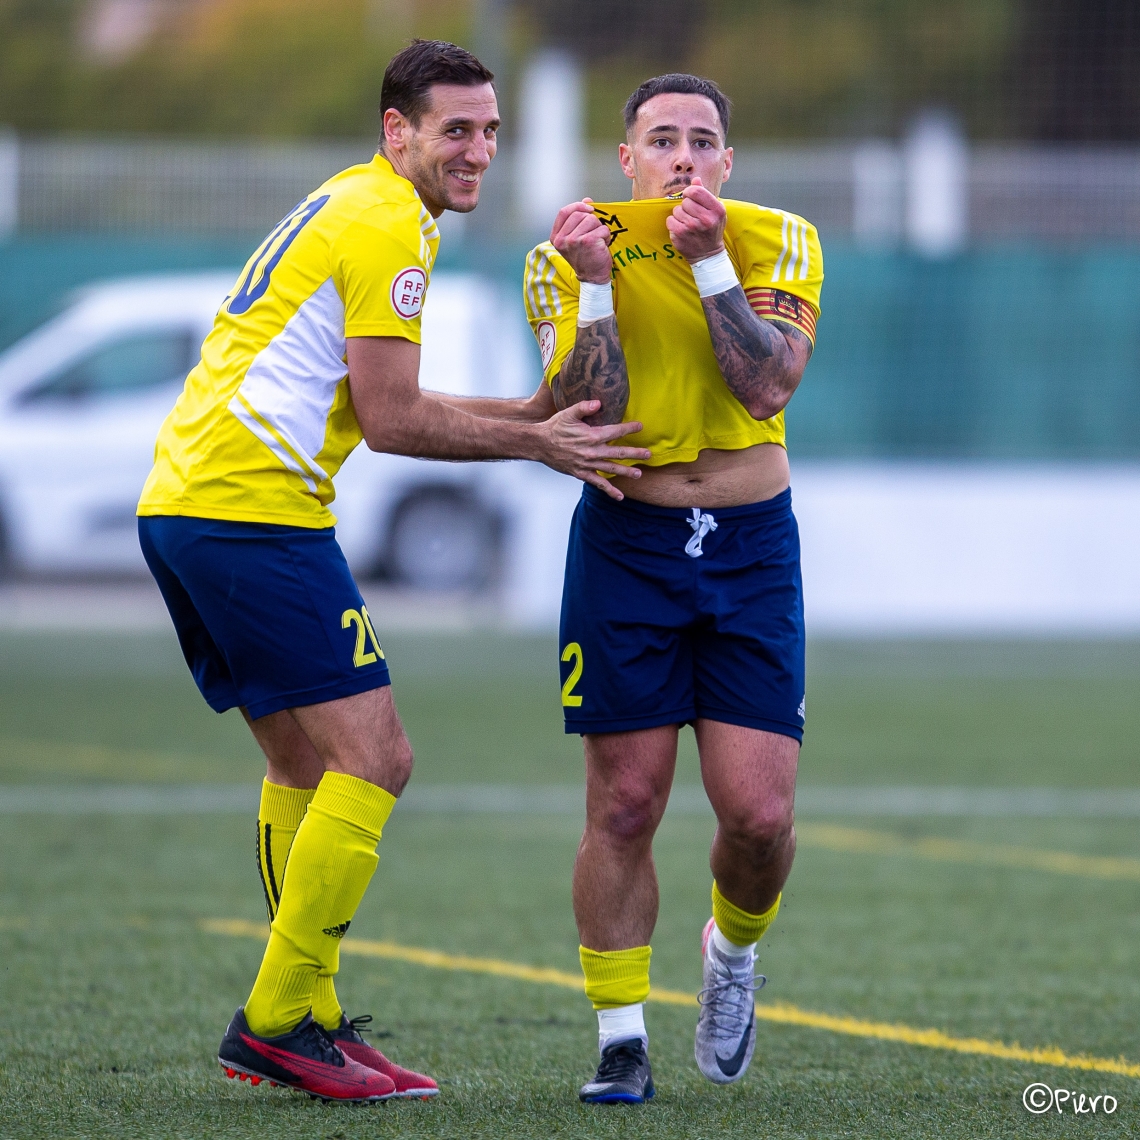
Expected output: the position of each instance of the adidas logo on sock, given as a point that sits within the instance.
(338, 931)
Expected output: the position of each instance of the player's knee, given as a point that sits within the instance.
(629, 814)
(402, 761)
(764, 829)
(390, 766)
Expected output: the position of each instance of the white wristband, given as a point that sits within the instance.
(715, 274)
(595, 302)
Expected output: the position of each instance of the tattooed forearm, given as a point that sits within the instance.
(762, 361)
(595, 370)
(793, 334)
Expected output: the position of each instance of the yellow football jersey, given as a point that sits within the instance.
(675, 384)
(266, 419)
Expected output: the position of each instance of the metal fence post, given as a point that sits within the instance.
(9, 182)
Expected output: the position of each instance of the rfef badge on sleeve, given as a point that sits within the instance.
(547, 342)
(408, 292)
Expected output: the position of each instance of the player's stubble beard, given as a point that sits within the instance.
(430, 180)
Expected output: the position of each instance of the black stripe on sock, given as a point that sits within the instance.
(269, 868)
(261, 874)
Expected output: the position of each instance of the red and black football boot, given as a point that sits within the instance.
(304, 1059)
(408, 1084)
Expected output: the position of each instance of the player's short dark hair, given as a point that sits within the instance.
(678, 83)
(411, 74)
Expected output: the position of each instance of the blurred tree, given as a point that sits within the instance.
(246, 67)
(818, 68)
(662, 32)
(218, 67)
(1063, 69)
(36, 62)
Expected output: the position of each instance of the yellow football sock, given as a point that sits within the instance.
(326, 1005)
(738, 925)
(282, 810)
(616, 977)
(330, 865)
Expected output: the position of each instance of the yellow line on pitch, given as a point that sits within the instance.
(779, 1012)
(856, 841)
(436, 959)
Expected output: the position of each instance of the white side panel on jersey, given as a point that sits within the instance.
(292, 382)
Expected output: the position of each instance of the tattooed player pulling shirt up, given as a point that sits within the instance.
(682, 602)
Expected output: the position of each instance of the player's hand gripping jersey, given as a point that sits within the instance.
(675, 385)
(266, 419)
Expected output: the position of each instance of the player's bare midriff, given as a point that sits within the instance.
(715, 478)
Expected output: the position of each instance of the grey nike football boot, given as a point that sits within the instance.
(726, 1028)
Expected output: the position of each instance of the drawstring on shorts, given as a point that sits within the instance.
(701, 525)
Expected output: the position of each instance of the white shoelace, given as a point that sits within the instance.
(701, 525)
(728, 1017)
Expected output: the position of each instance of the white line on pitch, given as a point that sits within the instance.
(520, 799)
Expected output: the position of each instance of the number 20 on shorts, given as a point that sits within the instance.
(363, 623)
(572, 652)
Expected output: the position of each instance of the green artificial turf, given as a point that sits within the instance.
(113, 999)
(485, 708)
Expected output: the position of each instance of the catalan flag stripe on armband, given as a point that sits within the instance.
(776, 305)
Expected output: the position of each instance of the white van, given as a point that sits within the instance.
(82, 398)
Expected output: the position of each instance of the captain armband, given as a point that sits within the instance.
(776, 305)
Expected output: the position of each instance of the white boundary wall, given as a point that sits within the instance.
(912, 548)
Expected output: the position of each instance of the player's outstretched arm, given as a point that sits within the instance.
(595, 368)
(529, 410)
(762, 362)
(396, 417)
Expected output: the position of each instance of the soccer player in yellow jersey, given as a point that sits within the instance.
(682, 603)
(317, 347)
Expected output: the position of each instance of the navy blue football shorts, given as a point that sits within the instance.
(669, 615)
(268, 616)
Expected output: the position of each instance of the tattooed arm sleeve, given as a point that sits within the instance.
(762, 361)
(595, 370)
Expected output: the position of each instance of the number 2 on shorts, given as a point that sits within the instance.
(572, 652)
(363, 623)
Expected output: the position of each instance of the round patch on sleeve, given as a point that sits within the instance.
(408, 292)
(547, 341)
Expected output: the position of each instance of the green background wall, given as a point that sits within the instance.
(1019, 353)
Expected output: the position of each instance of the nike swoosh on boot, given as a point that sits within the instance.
(730, 1066)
